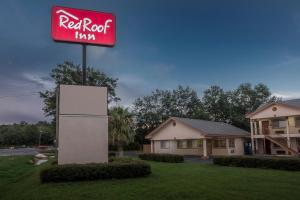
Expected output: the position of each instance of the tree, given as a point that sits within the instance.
(216, 104)
(150, 111)
(121, 130)
(246, 99)
(26, 134)
(70, 74)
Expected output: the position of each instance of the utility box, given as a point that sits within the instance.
(82, 124)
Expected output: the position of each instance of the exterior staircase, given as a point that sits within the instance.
(282, 145)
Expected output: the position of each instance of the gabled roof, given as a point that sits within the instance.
(208, 128)
(293, 103)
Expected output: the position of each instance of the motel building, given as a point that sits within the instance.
(196, 137)
(275, 128)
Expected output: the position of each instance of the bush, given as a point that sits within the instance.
(292, 164)
(127, 147)
(117, 170)
(112, 154)
(171, 158)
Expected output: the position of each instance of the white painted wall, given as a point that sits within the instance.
(180, 131)
(282, 111)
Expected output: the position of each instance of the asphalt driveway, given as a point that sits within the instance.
(18, 152)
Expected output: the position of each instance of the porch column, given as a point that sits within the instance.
(252, 137)
(256, 131)
(152, 146)
(260, 127)
(204, 148)
(288, 133)
(227, 146)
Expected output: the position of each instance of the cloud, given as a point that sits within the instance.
(131, 87)
(95, 52)
(287, 94)
(41, 80)
(19, 97)
(21, 108)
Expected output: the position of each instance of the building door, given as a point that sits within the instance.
(265, 127)
(268, 146)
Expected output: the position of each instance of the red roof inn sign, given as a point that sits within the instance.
(83, 26)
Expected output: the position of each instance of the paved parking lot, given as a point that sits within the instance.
(18, 152)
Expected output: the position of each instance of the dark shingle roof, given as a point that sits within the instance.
(292, 102)
(213, 128)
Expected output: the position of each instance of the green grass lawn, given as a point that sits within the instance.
(20, 180)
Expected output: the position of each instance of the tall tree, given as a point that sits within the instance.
(121, 130)
(152, 110)
(216, 104)
(246, 99)
(70, 74)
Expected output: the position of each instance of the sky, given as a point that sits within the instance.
(160, 44)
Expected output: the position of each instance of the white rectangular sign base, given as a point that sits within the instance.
(82, 125)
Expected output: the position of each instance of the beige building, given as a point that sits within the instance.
(275, 128)
(197, 137)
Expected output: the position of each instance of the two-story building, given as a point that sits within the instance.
(275, 128)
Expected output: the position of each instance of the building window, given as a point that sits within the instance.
(189, 144)
(197, 143)
(181, 144)
(279, 123)
(231, 143)
(220, 143)
(164, 144)
(297, 121)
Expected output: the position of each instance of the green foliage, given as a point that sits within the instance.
(292, 164)
(112, 154)
(27, 134)
(170, 158)
(70, 74)
(246, 99)
(216, 104)
(117, 170)
(120, 127)
(232, 106)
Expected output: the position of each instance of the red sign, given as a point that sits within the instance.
(83, 26)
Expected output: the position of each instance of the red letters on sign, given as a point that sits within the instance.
(83, 26)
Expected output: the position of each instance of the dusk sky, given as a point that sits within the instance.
(160, 44)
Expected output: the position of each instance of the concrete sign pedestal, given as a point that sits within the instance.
(82, 124)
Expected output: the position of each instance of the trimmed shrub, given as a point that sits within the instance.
(117, 170)
(292, 164)
(171, 158)
(111, 154)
